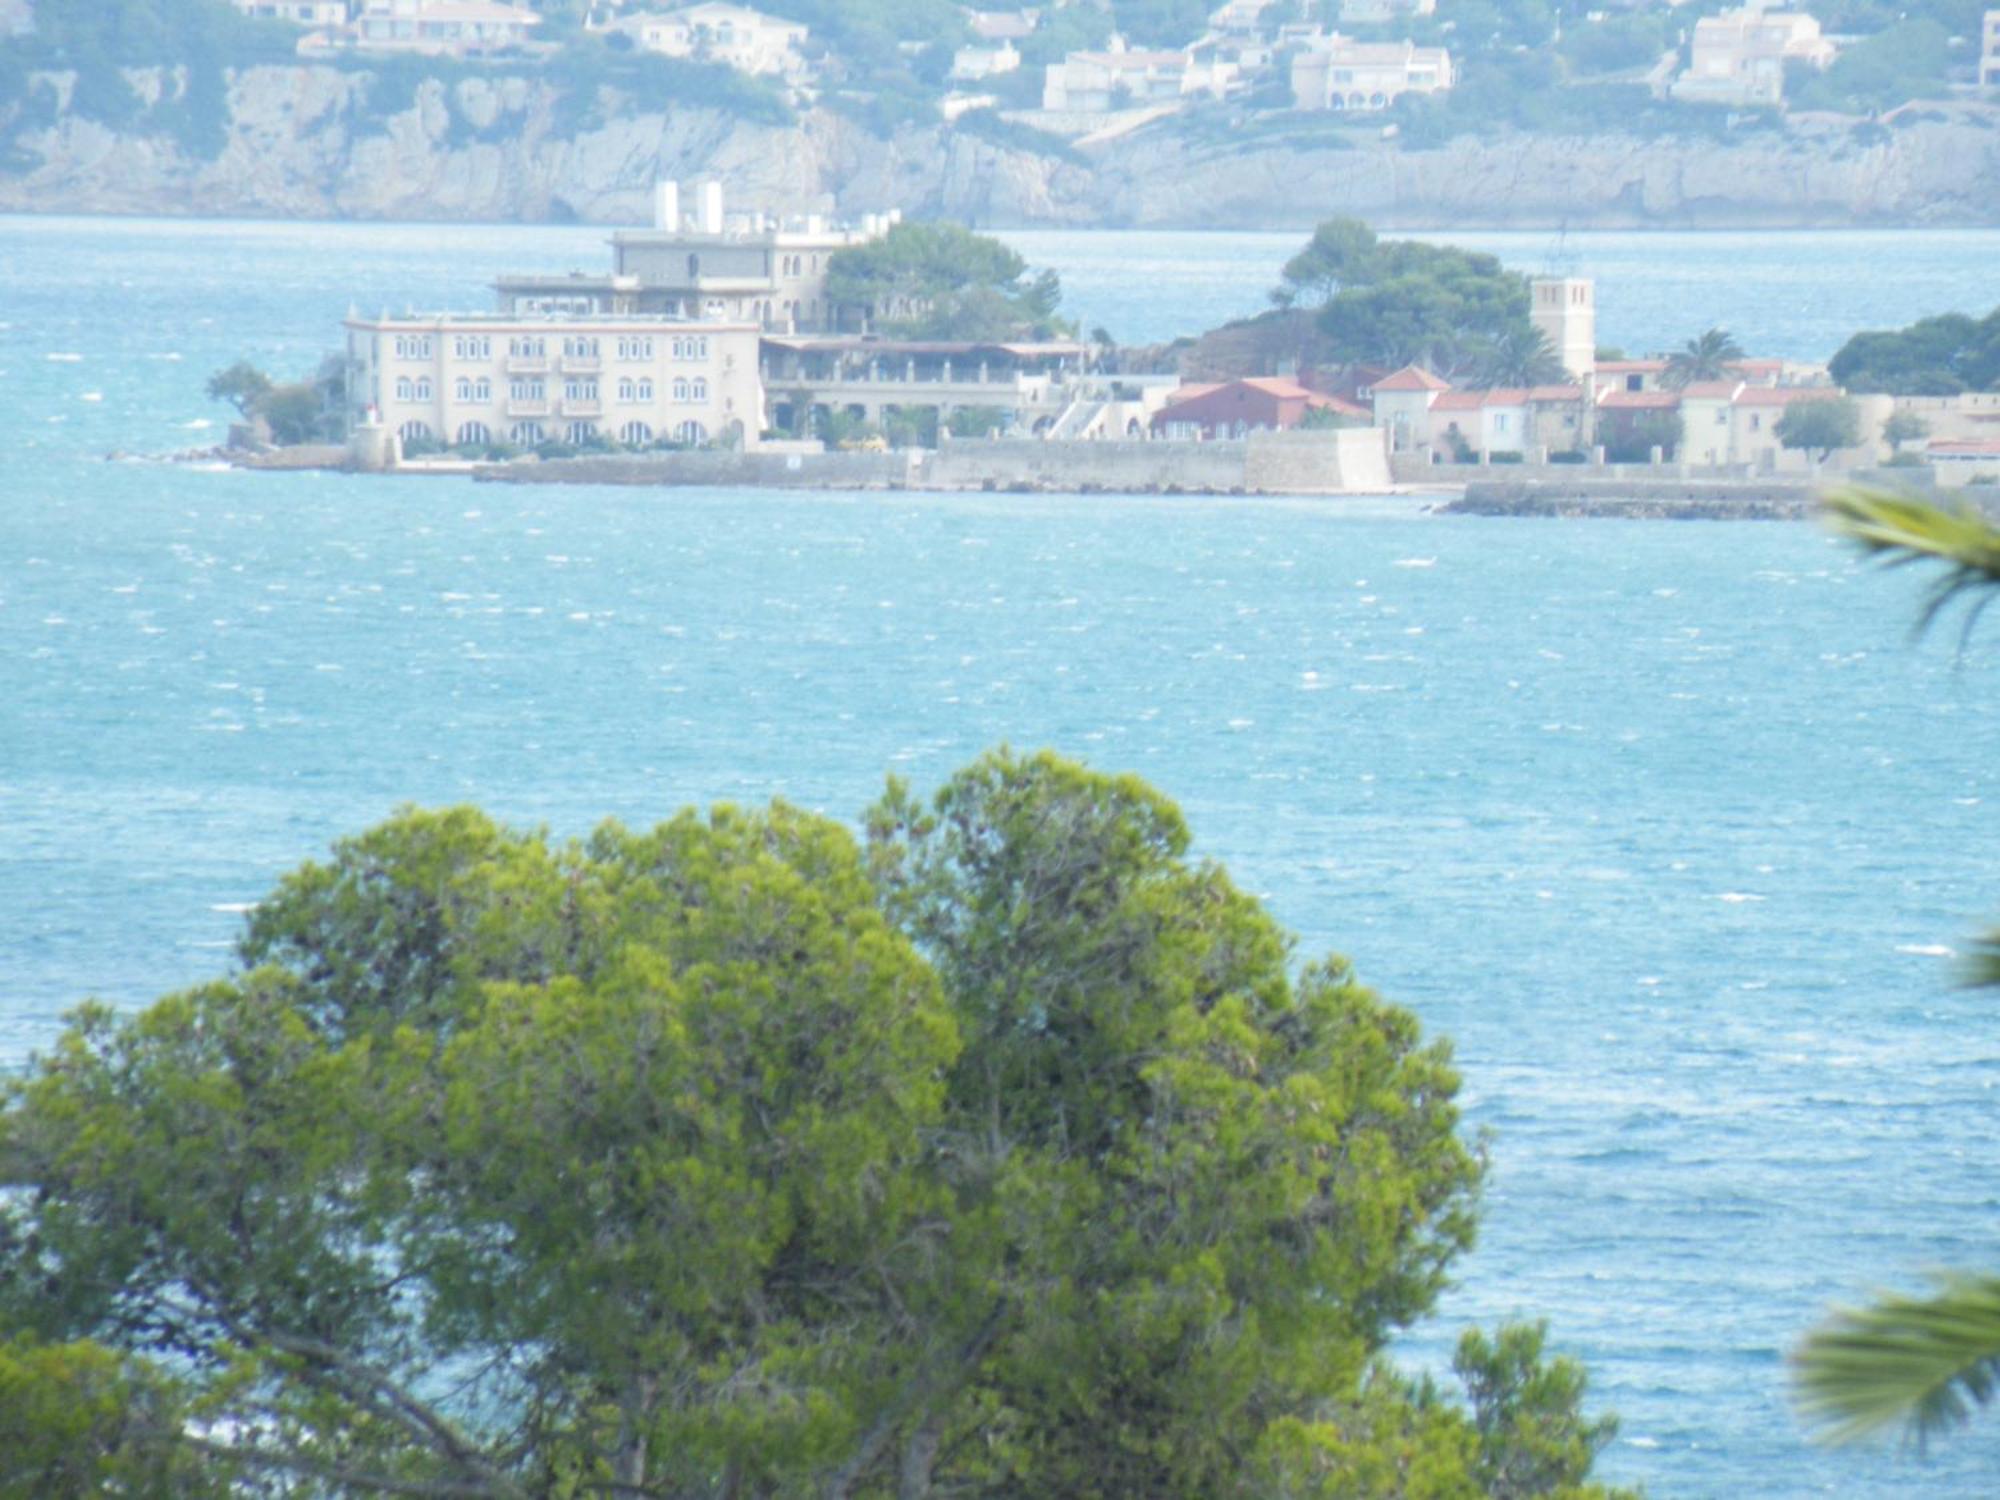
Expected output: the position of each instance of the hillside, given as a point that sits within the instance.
(314, 141)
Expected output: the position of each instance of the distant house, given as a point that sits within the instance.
(1244, 16)
(1380, 12)
(970, 64)
(1240, 406)
(1121, 78)
(734, 35)
(298, 12)
(1334, 72)
(1739, 57)
(441, 26)
(1958, 461)
(1002, 25)
(1989, 51)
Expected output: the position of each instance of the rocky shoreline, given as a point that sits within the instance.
(301, 144)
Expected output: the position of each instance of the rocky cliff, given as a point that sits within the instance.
(304, 142)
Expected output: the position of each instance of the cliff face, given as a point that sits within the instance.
(302, 144)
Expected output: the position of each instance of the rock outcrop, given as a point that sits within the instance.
(304, 142)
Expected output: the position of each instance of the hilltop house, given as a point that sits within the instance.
(298, 12)
(1739, 57)
(451, 27)
(1330, 71)
(1002, 25)
(1381, 12)
(970, 64)
(1121, 78)
(746, 40)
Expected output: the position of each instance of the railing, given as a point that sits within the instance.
(583, 362)
(579, 406)
(527, 408)
(527, 364)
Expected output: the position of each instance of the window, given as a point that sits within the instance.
(413, 346)
(414, 432)
(635, 434)
(1635, 382)
(527, 390)
(635, 348)
(525, 434)
(423, 391)
(526, 348)
(584, 389)
(645, 390)
(1756, 422)
(406, 388)
(470, 347)
(579, 433)
(691, 432)
(1499, 421)
(579, 348)
(700, 391)
(691, 348)
(1721, 417)
(681, 389)
(471, 434)
(468, 389)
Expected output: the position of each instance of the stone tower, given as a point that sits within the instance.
(1565, 309)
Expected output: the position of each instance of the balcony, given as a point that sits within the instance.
(582, 406)
(586, 364)
(527, 408)
(527, 364)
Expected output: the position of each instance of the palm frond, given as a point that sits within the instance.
(1921, 1363)
(1900, 530)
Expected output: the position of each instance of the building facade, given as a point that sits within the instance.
(741, 38)
(484, 379)
(1739, 57)
(441, 26)
(811, 377)
(1563, 309)
(298, 12)
(1334, 72)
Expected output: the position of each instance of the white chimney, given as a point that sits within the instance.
(815, 224)
(711, 208)
(666, 205)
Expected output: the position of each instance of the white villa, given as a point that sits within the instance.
(1379, 12)
(298, 12)
(1124, 78)
(441, 26)
(970, 64)
(1332, 71)
(1739, 57)
(744, 39)
(488, 378)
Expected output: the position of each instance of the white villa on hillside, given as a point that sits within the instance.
(298, 12)
(1124, 78)
(744, 39)
(1739, 57)
(1336, 72)
(475, 379)
(441, 26)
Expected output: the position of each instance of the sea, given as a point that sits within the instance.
(1673, 829)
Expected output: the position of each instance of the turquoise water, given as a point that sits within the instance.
(1670, 827)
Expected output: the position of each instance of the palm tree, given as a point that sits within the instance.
(1517, 356)
(1705, 358)
(1922, 1363)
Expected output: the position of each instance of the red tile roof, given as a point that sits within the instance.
(1639, 400)
(1967, 448)
(1785, 395)
(1459, 401)
(1411, 378)
(1555, 393)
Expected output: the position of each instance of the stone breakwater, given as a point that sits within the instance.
(303, 142)
(1643, 499)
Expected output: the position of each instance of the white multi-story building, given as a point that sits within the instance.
(744, 39)
(1739, 57)
(479, 379)
(970, 64)
(442, 26)
(1989, 51)
(298, 12)
(1124, 78)
(1336, 72)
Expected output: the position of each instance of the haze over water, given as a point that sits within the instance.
(1668, 826)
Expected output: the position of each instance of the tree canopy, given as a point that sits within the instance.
(1938, 356)
(1005, 1153)
(943, 281)
(1822, 425)
(1398, 302)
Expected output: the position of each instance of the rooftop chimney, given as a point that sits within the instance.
(667, 205)
(711, 208)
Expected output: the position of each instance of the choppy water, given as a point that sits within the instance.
(1670, 827)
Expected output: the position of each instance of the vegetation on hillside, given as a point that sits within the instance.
(1006, 1153)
